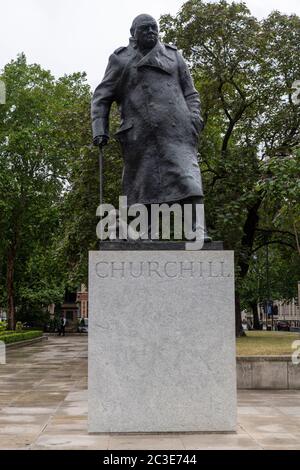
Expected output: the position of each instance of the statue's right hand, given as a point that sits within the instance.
(100, 140)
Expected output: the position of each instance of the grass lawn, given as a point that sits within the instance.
(269, 343)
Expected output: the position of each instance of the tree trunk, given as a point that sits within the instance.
(238, 319)
(10, 289)
(256, 324)
(244, 259)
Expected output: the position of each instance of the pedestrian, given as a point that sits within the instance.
(63, 322)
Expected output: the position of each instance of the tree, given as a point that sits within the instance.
(278, 281)
(40, 125)
(244, 70)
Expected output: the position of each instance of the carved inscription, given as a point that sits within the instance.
(162, 270)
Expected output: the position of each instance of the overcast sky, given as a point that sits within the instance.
(78, 35)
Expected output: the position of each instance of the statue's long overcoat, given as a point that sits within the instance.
(160, 123)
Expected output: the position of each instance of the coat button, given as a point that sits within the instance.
(173, 124)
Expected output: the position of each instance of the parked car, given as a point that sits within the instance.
(283, 325)
(83, 326)
(33, 325)
(295, 329)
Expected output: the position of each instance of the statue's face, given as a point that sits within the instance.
(146, 34)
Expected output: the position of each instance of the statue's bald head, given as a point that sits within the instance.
(140, 20)
(145, 31)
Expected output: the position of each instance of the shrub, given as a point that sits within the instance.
(6, 332)
(3, 326)
(13, 337)
(19, 326)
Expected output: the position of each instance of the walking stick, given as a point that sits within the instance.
(101, 177)
(101, 170)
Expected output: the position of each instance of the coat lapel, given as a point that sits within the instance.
(158, 58)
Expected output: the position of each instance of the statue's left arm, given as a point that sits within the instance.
(190, 93)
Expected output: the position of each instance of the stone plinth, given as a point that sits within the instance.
(161, 341)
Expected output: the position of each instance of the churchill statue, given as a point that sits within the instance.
(160, 118)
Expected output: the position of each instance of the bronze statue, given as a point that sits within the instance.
(160, 118)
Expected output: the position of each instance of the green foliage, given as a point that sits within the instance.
(3, 326)
(82, 200)
(43, 128)
(245, 85)
(249, 151)
(33, 312)
(12, 337)
(284, 274)
(19, 326)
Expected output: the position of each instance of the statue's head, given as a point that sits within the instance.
(144, 29)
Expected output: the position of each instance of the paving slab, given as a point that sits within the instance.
(43, 405)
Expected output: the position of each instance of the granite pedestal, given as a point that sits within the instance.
(161, 341)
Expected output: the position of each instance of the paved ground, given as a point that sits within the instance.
(43, 405)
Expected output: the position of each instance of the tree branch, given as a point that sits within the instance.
(231, 127)
(241, 93)
(297, 237)
(223, 101)
(275, 231)
(272, 242)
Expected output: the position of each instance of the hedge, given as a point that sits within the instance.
(6, 332)
(13, 337)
